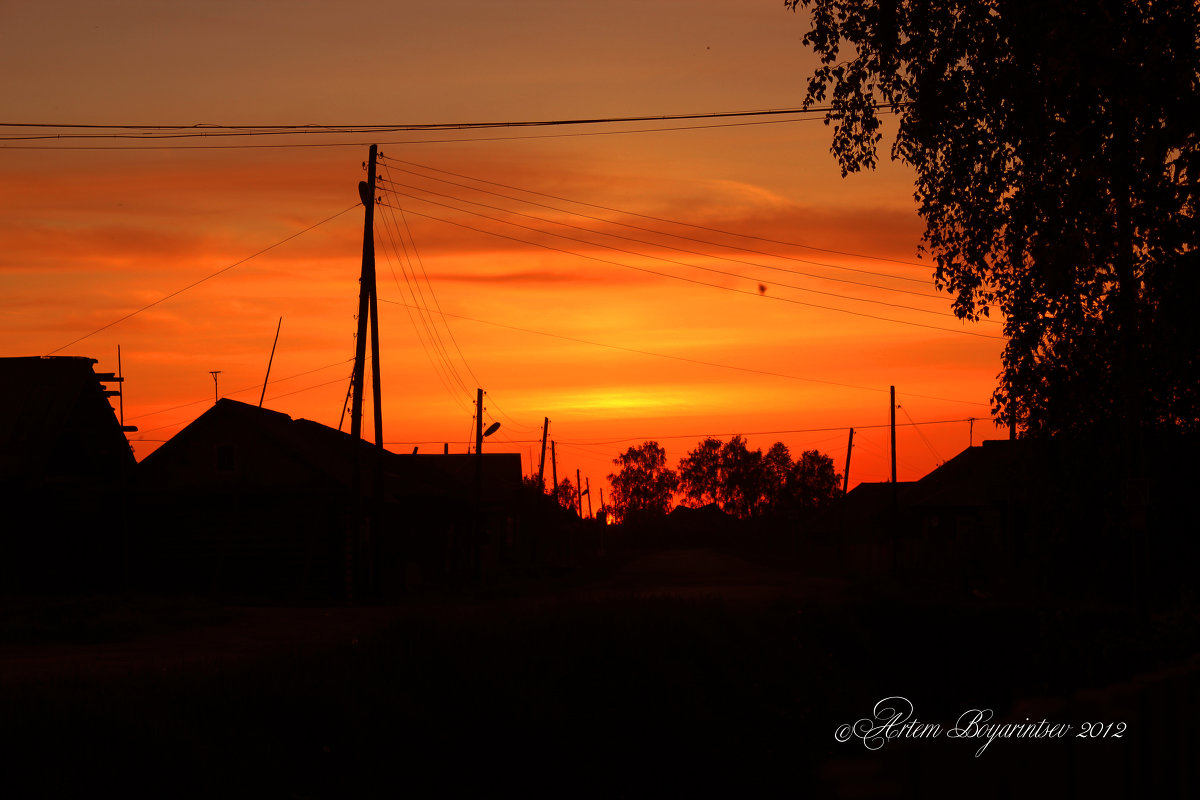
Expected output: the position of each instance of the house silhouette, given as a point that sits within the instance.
(65, 467)
(250, 501)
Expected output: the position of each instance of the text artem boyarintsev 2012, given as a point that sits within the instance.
(895, 718)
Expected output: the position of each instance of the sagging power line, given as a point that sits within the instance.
(674, 249)
(208, 277)
(129, 130)
(388, 161)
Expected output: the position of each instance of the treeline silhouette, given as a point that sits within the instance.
(742, 483)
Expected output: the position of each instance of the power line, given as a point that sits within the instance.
(924, 439)
(688, 360)
(668, 221)
(675, 249)
(240, 391)
(426, 313)
(202, 280)
(433, 294)
(307, 389)
(692, 280)
(360, 143)
(516, 425)
(205, 129)
(445, 368)
(658, 232)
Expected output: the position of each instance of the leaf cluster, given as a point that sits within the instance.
(1057, 159)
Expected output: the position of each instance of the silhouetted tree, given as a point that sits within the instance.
(749, 483)
(643, 484)
(777, 476)
(1057, 162)
(566, 495)
(700, 474)
(742, 479)
(812, 482)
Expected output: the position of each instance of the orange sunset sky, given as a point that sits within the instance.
(96, 228)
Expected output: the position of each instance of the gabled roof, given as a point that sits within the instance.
(56, 422)
(866, 501)
(315, 454)
(866, 507)
(980, 475)
(321, 454)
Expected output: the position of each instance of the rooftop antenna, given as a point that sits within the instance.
(270, 361)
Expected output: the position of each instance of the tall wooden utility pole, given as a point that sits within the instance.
(893, 412)
(542, 460)
(895, 499)
(368, 308)
(846, 477)
(589, 494)
(479, 420)
(579, 493)
(216, 393)
(475, 556)
(358, 536)
(554, 466)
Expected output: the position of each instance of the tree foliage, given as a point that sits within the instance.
(750, 483)
(566, 495)
(643, 485)
(1057, 161)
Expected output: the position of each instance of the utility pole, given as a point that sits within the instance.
(476, 552)
(893, 412)
(358, 544)
(846, 477)
(579, 494)
(479, 421)
(554, 466)
(895, 500)
(368, 308)
(542, 460)
(216, 393)
(589, 494)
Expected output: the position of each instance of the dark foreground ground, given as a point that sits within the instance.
(676, 672)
